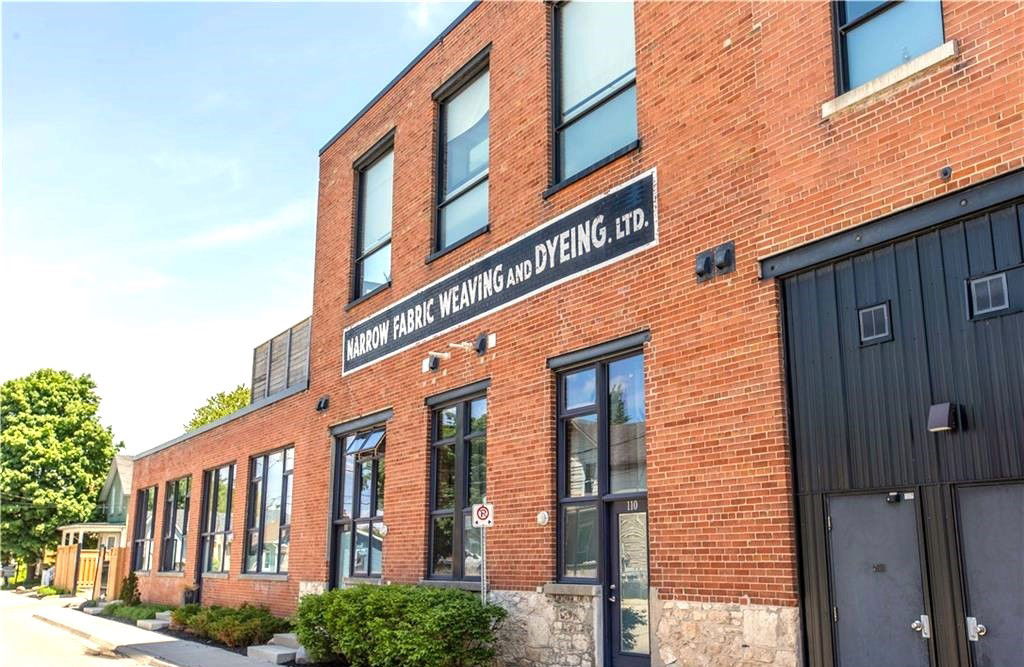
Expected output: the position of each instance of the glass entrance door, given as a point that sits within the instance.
(628, 585)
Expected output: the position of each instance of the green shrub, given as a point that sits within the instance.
(184, 614)
(398, 626)
(130, 590)
(135, 612)
(89, 603)
(205, 619)
(43, 591)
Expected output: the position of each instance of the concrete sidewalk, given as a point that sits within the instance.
(144, 646)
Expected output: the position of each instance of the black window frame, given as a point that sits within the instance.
(461, 505)
(341, 523)
(876, 338)
(168, 540)
(208, 531)
(841, 27)
(466, 75)
(142, 547)
(253, 513)
(557, 179)
(382, 147)
(601, 408)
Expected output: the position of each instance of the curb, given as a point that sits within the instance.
(126, 651)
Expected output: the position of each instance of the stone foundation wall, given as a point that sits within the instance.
(544, 630)
(727, 635)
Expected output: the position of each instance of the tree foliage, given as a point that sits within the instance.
(54, 457)
(219, 405)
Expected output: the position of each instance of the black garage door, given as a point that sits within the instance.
(911, 510)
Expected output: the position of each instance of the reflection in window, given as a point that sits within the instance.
(876, 37)
(602, 421)
(459, 455)
(172, 551)
(268, 523)
(373, 229)
(359, 504)
(464, 162)
(596, 65)
(218, 485)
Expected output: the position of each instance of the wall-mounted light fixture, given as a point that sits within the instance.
(322, 403)
(942, 417)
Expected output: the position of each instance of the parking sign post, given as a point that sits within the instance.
(483, 518)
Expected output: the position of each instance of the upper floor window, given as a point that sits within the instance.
(595, 80)
(875, 36)
(145, 516)
(463, 164)
(218, 488)
(373, 219)
(359, 510)
(172, 550)
(459, 475)
(268, 527)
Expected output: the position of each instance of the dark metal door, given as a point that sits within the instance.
(991, 522)
(879, 611)
(627, 588)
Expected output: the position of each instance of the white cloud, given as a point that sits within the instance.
(296, 214)
(198, 168)
(421, 14)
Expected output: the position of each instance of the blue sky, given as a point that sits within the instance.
(159, 184)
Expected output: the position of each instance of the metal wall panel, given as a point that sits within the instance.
(860, 410)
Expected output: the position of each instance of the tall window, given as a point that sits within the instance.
(459, 479)
(218, 488)
(602, 451)
(373, 220)
(463, 164)
(359, 508)
(268, 526)
(172, 550)
(145, 516)
(595, 79)
(874, 36)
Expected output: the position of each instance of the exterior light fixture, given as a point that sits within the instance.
(942, 417)
(322, 403)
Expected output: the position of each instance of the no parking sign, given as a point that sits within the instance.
(483, 515)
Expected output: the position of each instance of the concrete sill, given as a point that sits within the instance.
(448, 583)
(170, 574)
(215, 575)
(891, 78)
(356, 581)
(263, 577)
(579, 590)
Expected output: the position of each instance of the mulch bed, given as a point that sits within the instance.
(180, 634)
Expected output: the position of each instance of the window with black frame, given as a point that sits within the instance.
(375, 177)
(595, 84)
(602, 454)
(458, 480)
(145, 518)
(172, 549)
(874, 36)
(463, 158)
(218, 488)
(268, 523)
(359, 505)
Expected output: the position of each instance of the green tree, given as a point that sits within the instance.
(54, 456)
(219, 405)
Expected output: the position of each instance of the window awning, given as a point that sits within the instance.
(365, 442)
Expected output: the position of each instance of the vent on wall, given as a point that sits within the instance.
(282, 362)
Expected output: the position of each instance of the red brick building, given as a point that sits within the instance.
(731, 338)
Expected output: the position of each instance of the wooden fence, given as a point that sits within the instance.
(112, 566)
(67, 566)
(101, 571)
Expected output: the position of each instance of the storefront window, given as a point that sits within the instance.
(268, 527)
(459, 474)
(219, 486)
(172, 549)
(358, 515)
(145, 515)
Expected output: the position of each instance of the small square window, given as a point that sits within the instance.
(989, 294)
(874, 324)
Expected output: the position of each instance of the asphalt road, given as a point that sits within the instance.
(29, 642)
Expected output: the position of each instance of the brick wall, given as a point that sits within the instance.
(742, 153)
